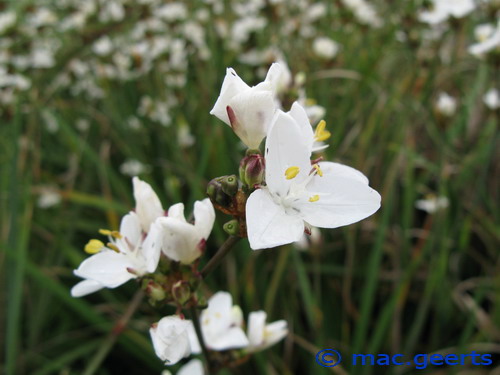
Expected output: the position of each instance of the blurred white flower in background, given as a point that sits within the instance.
(492, 99)
(432, 204)
(325, 48)
(364, 12)
(7, 20)
(442, 10)
(103, 46)
(170, 339)
(446, 105)
(49, 197)
(488, 38)
(134, 167)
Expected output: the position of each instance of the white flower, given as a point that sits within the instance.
(442, 10)
(446, 104)
(7, 20)
(147, 204)
(325, 48)
(133, 167)
(314, 139)
(129, 255)
(170, 339)
(184, 242)
(220, 325)
(49, 197)
(492, 99)
(248, 110)
(262, 335)
(103, 46)
(326, 195)
(432, 205)
(193, 367)
(489, 40)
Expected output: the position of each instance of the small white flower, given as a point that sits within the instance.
(442, 10)
(248, 110)
(220, 325)
(446, 104)
(184, 242)
(325, 48)
(489, 41)
(129, 255)
(262, 335)
(170, 339)
(49, 197)
(7, 20)
(133, 167)
(326, 195)
(432, 205)
(492, 99)
(103, 46)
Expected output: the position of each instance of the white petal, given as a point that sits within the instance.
(193, 339)
(180, 240)
(151, 247)
(299, 114)
(274, 75)
(170, 339)
(107, 268)
(267, 223)
(85, 287)
(254, 110)
(275, 332)
(130, 229)
(147, 204)
(343, 201)
(285, 147)
(193, 367)
(176, 211)
(256, 325)
(204, 217)
(232, 339)
(342, 171)
(231, 86)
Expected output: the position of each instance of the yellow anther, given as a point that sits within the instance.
(321, 134)
(318, 170)
(310, 102)
(112, 233)
(93, 246)
(112, 246)
(292, 172)
(314, 198)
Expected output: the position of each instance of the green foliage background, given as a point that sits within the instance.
(401, 281)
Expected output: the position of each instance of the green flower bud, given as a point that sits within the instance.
(252, 169)
(216, 193)
(155, 291)
(229, 185)
(232, 228)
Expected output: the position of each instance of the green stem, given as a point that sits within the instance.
(219, 255)
(110, 340)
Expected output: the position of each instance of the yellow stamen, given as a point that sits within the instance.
(112, 233)
(93, 246)
(314, 198)
(310, 101)
(320, 134)
(292, 172)
(112, 246)
(318, 170)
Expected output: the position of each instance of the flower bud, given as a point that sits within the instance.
(217, 194)
(229, 185)
(252, 168)
(181, 292)
(155, 291)
(232, 228)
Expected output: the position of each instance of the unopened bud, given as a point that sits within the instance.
(229, 185)
(155, 291)
(232, 228)
(181, 292)
(216, 193)
(252, 168)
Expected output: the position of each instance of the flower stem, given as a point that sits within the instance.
(219, 255)
(197, 327)
(110, 340)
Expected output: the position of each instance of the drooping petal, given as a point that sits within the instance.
(147, 204)
(285, 148)
(233, 338)
(180, 240)
(342, 171)
(342, 201)
(274, 332)
(107, 268)
(85, 287)
(204, 217)
(231, 86)
(268, 225)
(176, 211)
